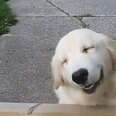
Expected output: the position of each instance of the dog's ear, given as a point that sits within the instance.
(56, 72)
(111, 46)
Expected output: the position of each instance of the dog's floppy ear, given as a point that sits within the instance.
(111, 46)
(56, 72)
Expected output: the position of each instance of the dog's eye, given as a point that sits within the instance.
(86, 49)
(64, 61)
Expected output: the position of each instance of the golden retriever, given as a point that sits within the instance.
(83, 68)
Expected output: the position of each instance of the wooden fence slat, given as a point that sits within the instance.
(21, 109)
(74, 110)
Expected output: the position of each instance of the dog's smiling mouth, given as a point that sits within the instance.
(91, 88)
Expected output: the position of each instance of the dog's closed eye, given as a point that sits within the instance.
(86, 49)
(65, 61)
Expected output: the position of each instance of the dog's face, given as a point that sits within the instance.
(83, 59)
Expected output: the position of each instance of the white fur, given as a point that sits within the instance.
(69, 57)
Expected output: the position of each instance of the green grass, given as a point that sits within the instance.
(6, 17)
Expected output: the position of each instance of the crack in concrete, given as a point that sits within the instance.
(35, 15)
(77, 18)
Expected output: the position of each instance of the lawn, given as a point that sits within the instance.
(7, 18)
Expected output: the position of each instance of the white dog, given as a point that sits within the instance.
(84, 68)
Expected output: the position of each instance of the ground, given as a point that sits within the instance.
(26, 52)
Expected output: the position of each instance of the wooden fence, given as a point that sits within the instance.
(34, 109)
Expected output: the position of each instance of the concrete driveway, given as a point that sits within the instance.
(25, 53)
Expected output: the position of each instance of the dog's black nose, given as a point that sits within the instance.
(80, 76)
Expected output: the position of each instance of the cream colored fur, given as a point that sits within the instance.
(69, 57)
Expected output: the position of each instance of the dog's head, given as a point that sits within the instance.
(83, 58)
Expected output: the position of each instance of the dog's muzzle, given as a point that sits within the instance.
(91, 88)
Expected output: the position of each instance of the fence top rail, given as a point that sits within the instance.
(35, 109)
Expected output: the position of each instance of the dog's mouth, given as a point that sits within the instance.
(91, 88)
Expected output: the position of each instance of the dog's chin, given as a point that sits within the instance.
(91, 88)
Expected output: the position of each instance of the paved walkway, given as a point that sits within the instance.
(25, 53)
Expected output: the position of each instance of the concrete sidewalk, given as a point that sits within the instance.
(25, 53)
